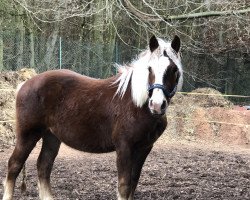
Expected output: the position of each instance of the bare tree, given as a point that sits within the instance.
(210, 30)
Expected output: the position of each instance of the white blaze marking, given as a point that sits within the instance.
(158, 96)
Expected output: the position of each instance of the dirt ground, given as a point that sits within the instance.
(204, 153)
(173, 170)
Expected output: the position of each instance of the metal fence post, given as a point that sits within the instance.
(60, 52)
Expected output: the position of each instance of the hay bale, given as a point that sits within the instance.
(26, 73)
(8, 84)
(209, 97)
(182, 113)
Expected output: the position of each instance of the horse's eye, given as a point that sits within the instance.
(165, 53)
(150, 69)
(177, 75)
(176, 71)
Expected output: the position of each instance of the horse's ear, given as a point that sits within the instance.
(176, 43)
(153, 43)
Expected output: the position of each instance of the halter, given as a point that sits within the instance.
(164, 89)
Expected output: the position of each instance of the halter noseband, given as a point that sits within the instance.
(164, 89)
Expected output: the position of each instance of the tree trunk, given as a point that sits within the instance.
(1, 44)
(109, 49)
(31, 42)
(32, 49)
(77, 63)
(229, 74)
(20, 34)
(50, 46)
(87, 62)
(98, 39)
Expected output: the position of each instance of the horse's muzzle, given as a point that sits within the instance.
(157, 108)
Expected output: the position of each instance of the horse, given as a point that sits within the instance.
(125, 113)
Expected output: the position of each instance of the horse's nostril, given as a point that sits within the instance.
(163, 105)
(150, 102)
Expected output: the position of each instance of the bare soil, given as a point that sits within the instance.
(173, 170)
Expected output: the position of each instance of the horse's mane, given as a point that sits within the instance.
(137, 72)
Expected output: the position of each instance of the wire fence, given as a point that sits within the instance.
(41, 55)
(229, 73)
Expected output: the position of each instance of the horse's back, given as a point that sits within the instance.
(55, 83)
(53, 90)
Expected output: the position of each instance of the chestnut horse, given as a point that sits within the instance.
(124, 113)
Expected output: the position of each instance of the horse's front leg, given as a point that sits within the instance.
(124, 168)
(138, 158)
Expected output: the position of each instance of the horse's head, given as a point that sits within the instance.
(155, 76)
(165, 73)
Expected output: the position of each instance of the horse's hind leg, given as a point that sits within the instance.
(24, 145)
(45, 162)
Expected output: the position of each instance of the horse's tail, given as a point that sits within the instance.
(23, 183)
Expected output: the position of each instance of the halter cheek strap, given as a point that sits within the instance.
(164, 89)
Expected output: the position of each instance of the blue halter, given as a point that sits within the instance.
(164, 89)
